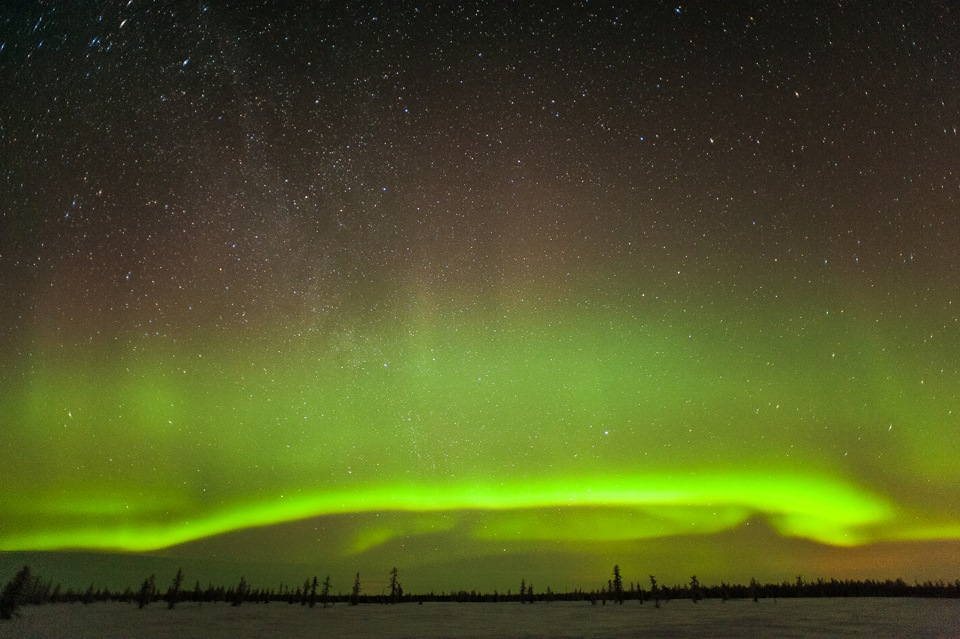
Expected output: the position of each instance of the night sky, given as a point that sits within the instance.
(483, 290)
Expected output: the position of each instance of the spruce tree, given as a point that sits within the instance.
(395, 589)
(14, 593)
(313, 592)
(355, 591)
(173, 592)
(617, 585)
(325, 594)
(147, 589)
(240, 593)
(695, 589)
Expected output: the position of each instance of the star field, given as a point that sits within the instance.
(441, 283)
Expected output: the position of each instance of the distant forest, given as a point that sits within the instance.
(27, 588)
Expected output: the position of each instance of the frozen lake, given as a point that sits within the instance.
(939, 618)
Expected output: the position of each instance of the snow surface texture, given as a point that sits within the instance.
(874, 618)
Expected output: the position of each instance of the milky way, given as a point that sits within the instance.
(364, 284)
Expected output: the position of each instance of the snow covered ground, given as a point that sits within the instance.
(874, 618)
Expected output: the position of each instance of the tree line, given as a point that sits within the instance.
(28, 588)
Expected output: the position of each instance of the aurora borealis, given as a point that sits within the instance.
(483, 289)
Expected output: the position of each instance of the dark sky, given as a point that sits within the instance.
(504, 284)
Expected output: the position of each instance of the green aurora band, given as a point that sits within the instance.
(587, 429)
(826, 511)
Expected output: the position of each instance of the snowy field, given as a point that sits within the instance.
(806, 618)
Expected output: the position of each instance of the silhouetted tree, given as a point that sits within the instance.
(173, 592)
(325, 593)
(305, 592)
(754, 590)
(313, 592)
(240, 593)
(395, 590)
(523, 591)
(654, 591)
(616, 585)
(14, 593)
(355, 592)
(147, 589)
(695, 593)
